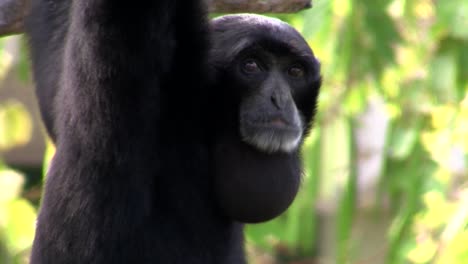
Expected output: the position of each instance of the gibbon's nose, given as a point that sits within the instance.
(279, 99)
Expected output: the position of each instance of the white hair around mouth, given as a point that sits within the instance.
(272, 141)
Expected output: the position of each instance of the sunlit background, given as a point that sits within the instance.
(386, 178)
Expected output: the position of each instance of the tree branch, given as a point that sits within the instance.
(13, 12)
(258, 6)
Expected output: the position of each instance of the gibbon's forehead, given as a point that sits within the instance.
(250, 24)
(241, 30)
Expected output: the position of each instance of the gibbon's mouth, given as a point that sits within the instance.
(277, 122)
(271, 135)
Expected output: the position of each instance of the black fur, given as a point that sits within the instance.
(123, 90)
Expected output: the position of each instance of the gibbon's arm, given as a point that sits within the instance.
(121, 61)
(119, 76)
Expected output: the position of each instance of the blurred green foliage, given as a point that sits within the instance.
(410, 55)
(17, 215)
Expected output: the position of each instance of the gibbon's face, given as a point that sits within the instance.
(269, 118)
(270, 70)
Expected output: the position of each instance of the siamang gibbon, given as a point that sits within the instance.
(171, 132)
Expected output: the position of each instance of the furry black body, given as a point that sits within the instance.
(127, 93)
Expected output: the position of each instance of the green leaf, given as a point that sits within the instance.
(403, 141)
(444, 73)
(15, 125)
(453, 16)
(20, 225)
(11, 184)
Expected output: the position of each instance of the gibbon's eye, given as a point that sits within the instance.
(250, 66)
(296, 71)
